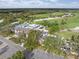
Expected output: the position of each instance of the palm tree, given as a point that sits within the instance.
(32, 40)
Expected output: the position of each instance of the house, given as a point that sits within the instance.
(41, 54)
(3, 47)
(67, 15)
(26, 27)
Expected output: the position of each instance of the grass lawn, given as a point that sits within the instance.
(67, 34)
(58, 14)
(71, 21)
(38, 16)
(48, 15)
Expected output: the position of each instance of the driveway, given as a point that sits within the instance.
(11, 50)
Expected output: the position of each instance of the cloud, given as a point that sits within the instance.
(37, 4)
(7, 0)
(53, 0)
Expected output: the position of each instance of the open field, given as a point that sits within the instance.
(67, 34)
(71, 21)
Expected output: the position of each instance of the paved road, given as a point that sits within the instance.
(11, 50)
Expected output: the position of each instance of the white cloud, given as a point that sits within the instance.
(53, 0)
(36, 4)
(7, 0)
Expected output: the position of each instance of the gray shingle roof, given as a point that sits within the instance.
(40, 54)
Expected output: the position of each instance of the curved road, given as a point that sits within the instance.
(13, 48)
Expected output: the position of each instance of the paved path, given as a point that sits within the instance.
(47, 19)
(11, 50)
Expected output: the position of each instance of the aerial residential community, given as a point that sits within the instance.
(39, 34)
(39, 29)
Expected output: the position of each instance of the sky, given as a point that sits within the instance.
(39, 3)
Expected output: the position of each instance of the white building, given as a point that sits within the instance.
(26, 27)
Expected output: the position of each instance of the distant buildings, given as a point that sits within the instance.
(76, 29)
(67, 15)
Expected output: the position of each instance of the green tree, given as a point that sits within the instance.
(53, 45)
(18, 55)
(32, 40)
(63, 22)
(54, 27)
(75, 42)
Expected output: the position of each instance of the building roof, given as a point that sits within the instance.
(30, 26)
(41, 54)
(2, 45)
